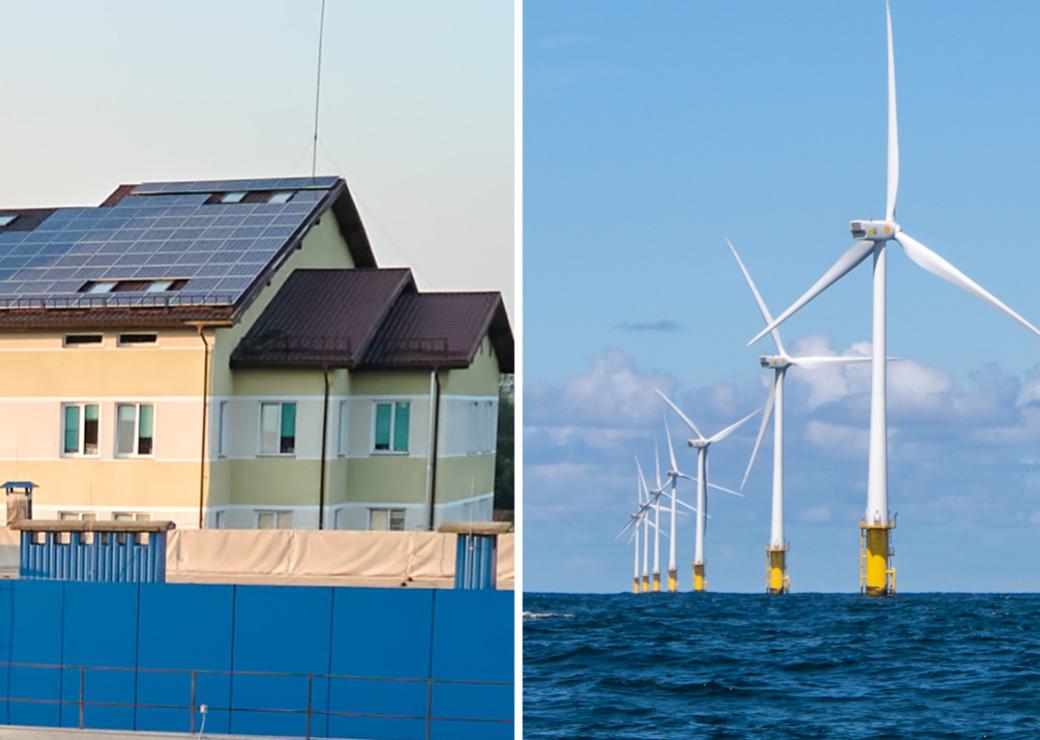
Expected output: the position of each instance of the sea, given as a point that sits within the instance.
(809, 665)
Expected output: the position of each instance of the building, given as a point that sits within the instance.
(228, 354)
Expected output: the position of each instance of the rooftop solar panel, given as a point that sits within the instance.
(171, 234)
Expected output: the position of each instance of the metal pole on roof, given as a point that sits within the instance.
(317, 92)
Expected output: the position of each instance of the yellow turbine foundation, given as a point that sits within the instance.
(635, 585)
(673, 581)
(777, 581)
(657, 582)
(646, 584)
(876, 577)
(700, 583)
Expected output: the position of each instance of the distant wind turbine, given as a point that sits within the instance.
(872, 238)
(701, 444)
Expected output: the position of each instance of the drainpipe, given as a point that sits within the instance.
(324, 438)
(431, 462)
(202, 432)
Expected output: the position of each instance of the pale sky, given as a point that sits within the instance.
(416, 112)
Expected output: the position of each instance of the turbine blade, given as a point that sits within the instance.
(758, 299)
(657, 464)
(732, 427)
(933, 263)
(810, 362)
(893, 130)
(642, 481)
(671, 449)
(712, 485)
(761, 430)
(855, 254)
(679, 411)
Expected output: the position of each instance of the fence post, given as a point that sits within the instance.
(429, 705)
(81, 697)
(310, 687)
(191, 708)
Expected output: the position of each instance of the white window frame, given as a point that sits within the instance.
(277, 514)
(390, 511)
(137, 430)
(260, 429)
(82, 427)
(222, 424)
(120, 342)
(343, 424)
(393, 424)
(83, 345)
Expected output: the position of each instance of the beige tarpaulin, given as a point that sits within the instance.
(418, 559)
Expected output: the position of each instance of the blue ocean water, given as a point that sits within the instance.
(803, 665)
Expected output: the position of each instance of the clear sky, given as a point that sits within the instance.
(416, 112)
(654, 130)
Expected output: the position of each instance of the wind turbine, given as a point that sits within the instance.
(872, 238)
(701, 444)
(644, 503)
(776, 551)
(673, 474)
(634, 520)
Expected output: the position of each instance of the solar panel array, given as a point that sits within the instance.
(220, 249)
(224, 186)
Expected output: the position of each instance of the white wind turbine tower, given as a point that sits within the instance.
(644, 498)
(872, 238)
(634, 520)
(701, 444)
(777, 581)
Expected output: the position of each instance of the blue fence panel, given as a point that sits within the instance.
(281, 629)
(187, 627)
(100, 631)
(31, 625)
(380, 633)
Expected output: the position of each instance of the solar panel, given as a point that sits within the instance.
(169, 234)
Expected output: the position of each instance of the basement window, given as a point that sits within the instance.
(8, 218)
(281, 197)
(132, 340)
(384, 520)
(81, 340)
(273, 519)
(235, 197)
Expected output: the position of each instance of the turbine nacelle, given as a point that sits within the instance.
(875, 231)
(698, 443)
(774, 361)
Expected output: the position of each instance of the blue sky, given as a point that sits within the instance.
(651, 132)
(416, 112)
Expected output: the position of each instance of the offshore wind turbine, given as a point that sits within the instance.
(777, 580)
(872, 239)
(701, 444)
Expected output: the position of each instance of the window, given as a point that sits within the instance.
(222, 429)
(283, 197)
(7, 219)
(341, 443)
(134, 428)
(277, 428)
(79, 340)
(273, 519)
(391, 426)
(386, 519)
(80, 422)
(132, 340)
(235, 197)
(132, 516)
(93, 286)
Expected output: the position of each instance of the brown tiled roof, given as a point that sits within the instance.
(372, 319)
(321, 318)
(441, 330)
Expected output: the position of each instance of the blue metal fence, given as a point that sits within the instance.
(475, 561)
(122, 557)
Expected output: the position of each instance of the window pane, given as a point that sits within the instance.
(144, 429)
(383, 426)
(125, 417)
(287, 441)
(284, 519)
(269, 427)
(71, 429)
(397, 519)
(90, 429)
(377, 519)
(265, 520)
(401, 427)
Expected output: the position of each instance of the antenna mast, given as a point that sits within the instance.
(317, 92)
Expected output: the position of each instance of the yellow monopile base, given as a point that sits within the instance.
(635, 585)
(673, 581)
(646, 584)
(700, 583)
(876, 577)
(657, 582)
(777, 581)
